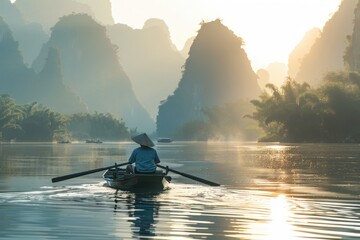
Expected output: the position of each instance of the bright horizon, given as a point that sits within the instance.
(270, 28)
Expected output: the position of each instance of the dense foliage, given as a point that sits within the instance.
(97, 126)
(297, 113)
(39, 123)
(10, 115)
(36, 122)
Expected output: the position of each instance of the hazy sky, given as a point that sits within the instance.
(270, 28)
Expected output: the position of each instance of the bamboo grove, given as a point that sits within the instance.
(298, 113)
(36, 122)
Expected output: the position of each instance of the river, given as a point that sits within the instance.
(268, 191)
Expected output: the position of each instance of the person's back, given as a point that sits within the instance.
(145, 159)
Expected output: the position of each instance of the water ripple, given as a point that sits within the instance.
(183, 212)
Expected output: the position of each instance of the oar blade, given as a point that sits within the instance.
(210, 183)
(74, 175)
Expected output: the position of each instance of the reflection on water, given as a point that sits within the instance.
(183, 212)
(143, 209)
(269, 192)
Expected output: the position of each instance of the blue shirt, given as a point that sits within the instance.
(145, 159)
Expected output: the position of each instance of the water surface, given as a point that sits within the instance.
(269, 191)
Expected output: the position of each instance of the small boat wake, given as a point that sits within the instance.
(52, 195)
(96, 193)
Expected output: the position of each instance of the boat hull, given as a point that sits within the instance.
(118, 179)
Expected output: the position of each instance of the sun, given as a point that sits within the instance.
(270, 28)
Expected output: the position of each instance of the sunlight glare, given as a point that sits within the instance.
(276, 225)
(277, 147)
(279, 227)
(270, 28)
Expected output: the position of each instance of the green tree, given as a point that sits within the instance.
(97, 125)
(292, 113)
(341, 93)
(10, 115)
(296, 113)
(41, 124)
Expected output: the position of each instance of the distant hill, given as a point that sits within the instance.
(186, 49)
(301, 50)
(328, 50)
(91, 68)
(30, 35)
(48, 12)
(150, 59)
(15, 78)
(57, 96)
(101, 9)
(216, 72)
(263, 77)
(277, 73)
(25, 86)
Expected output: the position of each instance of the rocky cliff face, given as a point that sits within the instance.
(352, 55)
(327, 52)
(216, 72)
(91, 68)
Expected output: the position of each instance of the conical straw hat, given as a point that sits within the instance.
(143, 139)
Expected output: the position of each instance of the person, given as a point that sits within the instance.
(145, 157)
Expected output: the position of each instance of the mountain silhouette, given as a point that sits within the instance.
(57, 96)
(47, 13)
(352, 54)
(216, 72)
(91, 68)
(101, 9)
(16, 79)
(277, 73)
(328, 50)
(29, 35)
(186, 49)
(301, 50)
(150, 59)
(263, 78)
(25, 86)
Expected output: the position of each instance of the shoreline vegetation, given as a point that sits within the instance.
(37, 123)
(294, 113)
(297, 113)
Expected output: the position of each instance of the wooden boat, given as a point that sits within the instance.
(93, 141)
(119, 179)
(164, 140)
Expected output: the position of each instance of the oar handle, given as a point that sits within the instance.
(74, 175)
(190, 176)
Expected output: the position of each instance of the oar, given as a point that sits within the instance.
(74, 175)
(190, 176)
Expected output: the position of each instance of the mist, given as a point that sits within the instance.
(76, 60)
